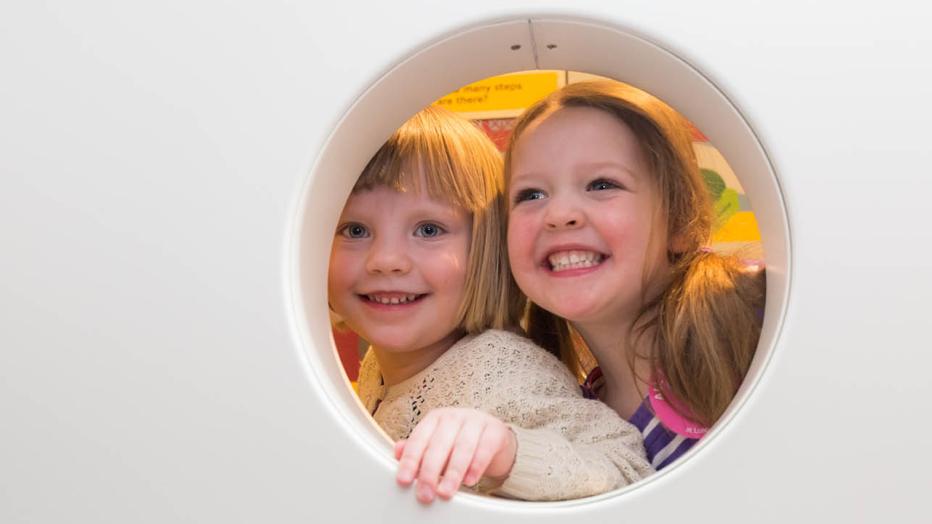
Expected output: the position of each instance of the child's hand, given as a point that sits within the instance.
(469, 442)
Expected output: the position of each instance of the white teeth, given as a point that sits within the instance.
(574, 260)
(391, 301)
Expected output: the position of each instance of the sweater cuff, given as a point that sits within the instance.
(530, 467)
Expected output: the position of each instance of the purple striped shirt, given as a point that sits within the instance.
(662, 445)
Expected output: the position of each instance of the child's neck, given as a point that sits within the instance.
(400, 365)
(624, 389)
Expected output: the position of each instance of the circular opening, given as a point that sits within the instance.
(497, 49)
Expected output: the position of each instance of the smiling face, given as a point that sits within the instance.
(398, 269)
(582, 224)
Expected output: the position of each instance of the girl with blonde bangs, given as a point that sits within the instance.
(456, 164)
(609, 223)
(419, 269)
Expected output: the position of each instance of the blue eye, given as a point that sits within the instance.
(529, 194)
(354, 230)
(428, 230)
(601, 184)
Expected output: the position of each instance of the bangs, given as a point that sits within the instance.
(449, 155)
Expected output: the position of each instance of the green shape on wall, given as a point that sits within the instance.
(714, 182)
(725, 207)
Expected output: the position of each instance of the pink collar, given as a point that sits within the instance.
(660, 406)
(671, 418)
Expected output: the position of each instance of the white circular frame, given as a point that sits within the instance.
(493, 49)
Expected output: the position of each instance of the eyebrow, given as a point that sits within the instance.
(584, 166)
(614, 165)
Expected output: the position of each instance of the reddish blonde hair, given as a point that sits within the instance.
(704, 324)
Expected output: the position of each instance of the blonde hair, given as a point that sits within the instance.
(459, 165)
(704, 324)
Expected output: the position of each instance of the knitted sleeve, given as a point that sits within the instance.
(568, 446)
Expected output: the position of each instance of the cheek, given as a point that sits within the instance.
(520, 241)
(340, 271)
(634, 238)
(445, 269)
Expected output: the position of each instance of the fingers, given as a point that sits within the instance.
(491, 445)
(460, 460)
(459, 444)
(409, 461)
(438, 451)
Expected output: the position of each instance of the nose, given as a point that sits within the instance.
(387, 256)
(563, 214)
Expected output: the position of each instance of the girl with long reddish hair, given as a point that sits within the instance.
(608, 226)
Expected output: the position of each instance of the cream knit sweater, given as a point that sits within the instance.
(568, 446)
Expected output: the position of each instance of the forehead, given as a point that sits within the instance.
(573, 136)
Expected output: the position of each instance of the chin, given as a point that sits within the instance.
(393, 344)
(573, 314)
(579, 314)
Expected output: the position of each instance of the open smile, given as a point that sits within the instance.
(560, 261)
(393, 298)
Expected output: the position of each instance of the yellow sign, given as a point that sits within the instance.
(741, 227)
(513, 92)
